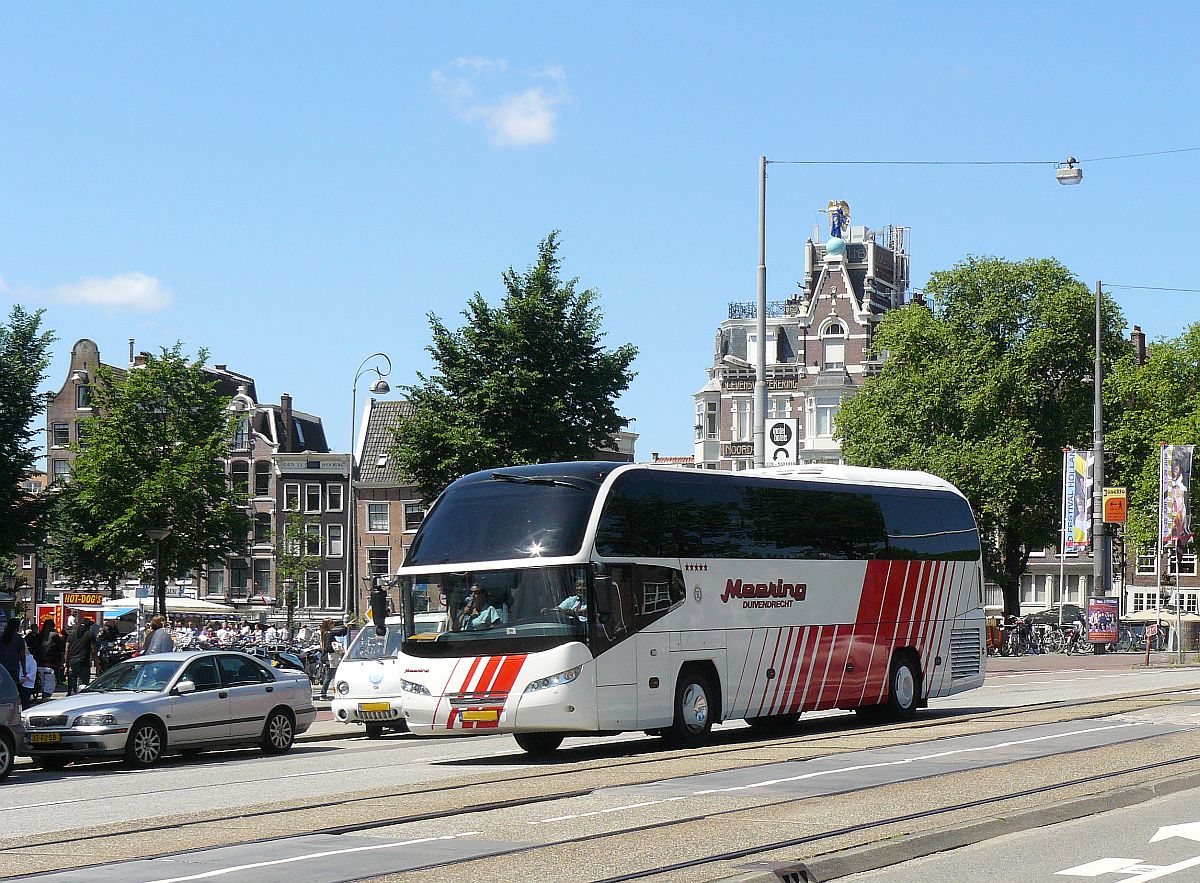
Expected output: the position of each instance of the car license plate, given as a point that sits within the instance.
(374, 706)
(45, 737)
(487, 714)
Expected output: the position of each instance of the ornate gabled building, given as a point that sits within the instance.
(816, 350)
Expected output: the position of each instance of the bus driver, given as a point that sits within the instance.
(479, 613)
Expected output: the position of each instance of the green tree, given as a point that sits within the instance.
(985, 388)
(298, 551)
(526, 382)
(24, 357)
(154, 459)
(1148, 405)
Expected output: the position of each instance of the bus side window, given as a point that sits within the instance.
(657, 591)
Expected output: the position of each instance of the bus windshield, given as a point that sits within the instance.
(505, 611)
(519, 512)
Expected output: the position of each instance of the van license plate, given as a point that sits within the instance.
(374, 706)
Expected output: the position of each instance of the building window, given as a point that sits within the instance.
(60, 435)
(333, 497)
(334, 545)
(377, 518)
(291, 498)
(711, 422)
(262, 527)
(239, 576)
(83, 396)
(333, 582)
(1146, 561)
(241, 435)
(262, 576)
(379, 562)
(312, 539)
(82, 432)
(1187, 563)
(1139, 602)
(312, 588)
(414, 514)
(779, 407)
(27, 561)
(740, 465)
(216, 579)
(240, 472)
(833, 344)
(31, 487)
(1189, 602)
(262, 479)
(743, 418)
(827, 409)
(312, 498)
(60, 471)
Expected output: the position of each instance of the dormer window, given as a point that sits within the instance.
(833, 346)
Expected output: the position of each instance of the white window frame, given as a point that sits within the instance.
(60, 471)
(1187, 563)
(1147, 562)
(27, 561)
(329, 494)
(312, 532)
(332, 576)
(312, 578)
(404, 510)
(774, 411)
(712, 420)
(387, 516)
(387, 564)
(309, 495)
(830, 407)
(334, 548)
(291, 491)
(55, 442)
(742, 423)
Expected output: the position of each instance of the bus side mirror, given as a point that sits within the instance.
(602, 589)
(379, 609)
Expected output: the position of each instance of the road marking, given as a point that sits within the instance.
(1102, 866)
(600, 812)
(908, 760)
(1164, 871)
(220, 872)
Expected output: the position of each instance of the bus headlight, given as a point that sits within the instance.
(557, 680)
(410, 687)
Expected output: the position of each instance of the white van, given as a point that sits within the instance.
(366, 686)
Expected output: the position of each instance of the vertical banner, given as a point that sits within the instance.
(1078, 479)
(1176, 473)
(1102, 619)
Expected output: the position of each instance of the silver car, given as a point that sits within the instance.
(11, 733)
(149, 705)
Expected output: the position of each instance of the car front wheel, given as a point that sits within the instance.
(146, 744)
(8, 753)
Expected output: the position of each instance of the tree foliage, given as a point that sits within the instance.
(526, 382)
(1148, 405)
(984, 389)
(154, 459)
(24, 357)
(293, 557)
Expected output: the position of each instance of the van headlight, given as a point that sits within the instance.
(95, 719)
(558, 680)
(342, 688)
(411, 687)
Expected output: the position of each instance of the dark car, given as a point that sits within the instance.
(11, 732)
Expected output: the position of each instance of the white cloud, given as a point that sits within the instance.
(135, 291)
(513, 112)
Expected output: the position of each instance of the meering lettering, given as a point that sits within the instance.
(773, 594)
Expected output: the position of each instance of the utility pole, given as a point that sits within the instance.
(1099, 539)
(760, 361)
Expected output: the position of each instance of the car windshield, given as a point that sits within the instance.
(368, 645)
(496, 606)
(135, 676)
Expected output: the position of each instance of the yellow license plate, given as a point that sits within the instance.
(488, 714)
(374, 706)
(46, 737)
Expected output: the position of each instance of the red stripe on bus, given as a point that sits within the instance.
(897, 583)
(782, 672)
(800, 654)
(923, 629)
(767, 685)
(936, 624)
(509, 669)
(462, 688)
(487, 674)
(869, 615)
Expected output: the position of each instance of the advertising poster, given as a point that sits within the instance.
(1176, 484)
(1103, 617)
(1078, 485)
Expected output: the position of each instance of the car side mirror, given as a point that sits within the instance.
(184, 686)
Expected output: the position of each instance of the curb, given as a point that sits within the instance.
(902, 848)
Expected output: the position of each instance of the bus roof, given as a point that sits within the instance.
(837, 474)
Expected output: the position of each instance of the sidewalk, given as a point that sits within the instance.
(1101, 662)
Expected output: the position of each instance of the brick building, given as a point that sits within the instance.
(816, 343)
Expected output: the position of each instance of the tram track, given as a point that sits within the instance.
(543, 780)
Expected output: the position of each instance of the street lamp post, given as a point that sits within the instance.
(158, 534)
(1099, 540)
(760, 356)
(289, 599)
(379, 387)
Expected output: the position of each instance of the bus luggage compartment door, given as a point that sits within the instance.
(616, 688)
(655, 704)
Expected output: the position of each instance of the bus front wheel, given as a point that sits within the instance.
(539, 744)
(693, 710)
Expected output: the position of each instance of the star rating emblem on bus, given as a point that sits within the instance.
(695, 567)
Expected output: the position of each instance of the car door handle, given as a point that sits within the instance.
(270, 689)
(222, 695)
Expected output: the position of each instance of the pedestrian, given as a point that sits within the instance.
(81, 650)
(52, 650)
(14, 657)
(302, 634)
(158, 639)
(329, 634)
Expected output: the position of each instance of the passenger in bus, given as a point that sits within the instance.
(480, 613)
(575, 603)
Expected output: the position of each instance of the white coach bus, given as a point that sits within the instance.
(601, 597)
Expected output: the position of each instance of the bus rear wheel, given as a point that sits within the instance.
(538, 744)
(904, 693)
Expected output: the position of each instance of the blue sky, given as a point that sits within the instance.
(295, 186)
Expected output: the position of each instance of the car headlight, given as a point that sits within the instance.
(342, 687)
(558, 680)
(95, 719)
(410, 687)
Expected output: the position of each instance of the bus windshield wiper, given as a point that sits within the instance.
(539, 479)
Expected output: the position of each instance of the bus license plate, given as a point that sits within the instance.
(374, 706)
(488, 714)
(46, 737)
